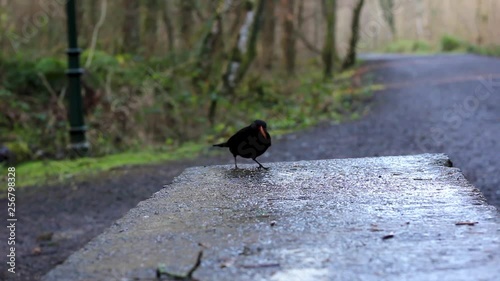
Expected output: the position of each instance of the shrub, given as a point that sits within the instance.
(18, 75)
(450, 43)
(53, 70)
(493, 51)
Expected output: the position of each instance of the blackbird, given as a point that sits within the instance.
(249, 142)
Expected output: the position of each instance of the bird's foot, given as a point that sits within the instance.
(262, 167)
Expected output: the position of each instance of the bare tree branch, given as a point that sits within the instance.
(306, 43)
(95, 34)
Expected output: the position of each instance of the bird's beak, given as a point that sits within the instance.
(261, 129)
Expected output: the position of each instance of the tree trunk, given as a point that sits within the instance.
(245, 49)
(420, 20)
(481, 23)
(237, 19)
(168, 25)
(243, 53)
(150, 26)
(329, 51)
(4, 14)
(300, 15)
(80, 26)
(318, 19)
(130, 27)
(388, 11)
(186, 22)
(268, 35)
(288, 40)
(91, 17)
(95, 32)
(92, 12)
(208, 57)
(350, 58)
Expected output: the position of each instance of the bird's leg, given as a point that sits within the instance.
(235, 166)
(260, 165)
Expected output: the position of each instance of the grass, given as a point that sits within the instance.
(447, 44)
(410, 47)
(491, 51)
(57, 171)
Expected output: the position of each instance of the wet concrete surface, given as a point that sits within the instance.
(386, 218)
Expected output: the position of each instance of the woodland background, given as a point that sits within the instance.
(158, 72)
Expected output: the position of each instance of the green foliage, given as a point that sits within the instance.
(450, 43)
(409, 46)
(422, 47)
(32, 116)
(493, 51)
(18, 75)
(53, 70)
(100, 65)
(20, 149)
(51, 67)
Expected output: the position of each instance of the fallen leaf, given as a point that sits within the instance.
(47, 236)
(260, 265)
(228, 262)
(204, 245)
(36, 251)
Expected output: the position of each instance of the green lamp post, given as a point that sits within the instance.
(79, 144)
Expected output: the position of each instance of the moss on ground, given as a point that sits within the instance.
(57, 171)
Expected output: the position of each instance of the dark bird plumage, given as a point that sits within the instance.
(249, 142)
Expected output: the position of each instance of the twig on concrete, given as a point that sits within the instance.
(388, 236)
(195, 266)
(160, 271)
(470, 223)
(260, 265)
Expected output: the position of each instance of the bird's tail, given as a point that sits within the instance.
(224, 144)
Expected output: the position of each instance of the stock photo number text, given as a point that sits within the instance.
(11, 220)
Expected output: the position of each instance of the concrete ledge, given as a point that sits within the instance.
(387, 218)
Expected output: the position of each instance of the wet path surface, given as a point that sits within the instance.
(445, 103)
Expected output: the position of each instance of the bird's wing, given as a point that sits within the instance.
(239, 136)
